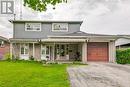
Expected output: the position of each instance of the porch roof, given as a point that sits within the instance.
(23, 40)
(4, 39)
(63, 40)
(47, 40)
(81, 34)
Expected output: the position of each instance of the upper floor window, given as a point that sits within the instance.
(32, 26)
(60, 27)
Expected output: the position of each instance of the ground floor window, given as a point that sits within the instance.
(1, 43)
(62, 49)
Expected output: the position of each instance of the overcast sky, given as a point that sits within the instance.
(99, 16)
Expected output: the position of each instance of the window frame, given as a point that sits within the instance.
(53, 30)
(33, 26)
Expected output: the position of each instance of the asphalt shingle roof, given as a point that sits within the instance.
(81, 33)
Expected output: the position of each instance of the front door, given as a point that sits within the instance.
(46, 52)
(24, 51)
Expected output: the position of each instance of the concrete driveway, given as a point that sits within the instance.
(100, 75)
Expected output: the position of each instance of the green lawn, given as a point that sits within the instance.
(32, 74)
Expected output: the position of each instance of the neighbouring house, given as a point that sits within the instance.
(123, 42)
(59, 41)
(4, 47)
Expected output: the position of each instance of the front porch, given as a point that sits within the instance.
(63, 51)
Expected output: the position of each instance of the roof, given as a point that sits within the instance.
(124, 36)
(3, 38)
(47, 21)
(24, 39)
(122, 41)
(83, 34)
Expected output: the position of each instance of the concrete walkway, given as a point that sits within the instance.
(100, 75)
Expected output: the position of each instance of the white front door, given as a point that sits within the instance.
(24, 51)
(45, 52)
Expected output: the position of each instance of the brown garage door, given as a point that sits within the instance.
(97, 51)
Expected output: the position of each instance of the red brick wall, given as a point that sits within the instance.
(4, 50)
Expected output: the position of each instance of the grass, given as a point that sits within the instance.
(32, 74)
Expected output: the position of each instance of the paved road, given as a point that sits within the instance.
(100, 75)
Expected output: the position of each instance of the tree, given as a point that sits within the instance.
(41, 5)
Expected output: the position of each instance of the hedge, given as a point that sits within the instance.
(123, 56)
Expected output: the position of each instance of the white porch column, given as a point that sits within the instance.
(84, 52)
(11, 50)
(33, 49)
(53, 58)
(112, 51)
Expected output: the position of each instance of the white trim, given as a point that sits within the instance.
(66, 24)
(33, 26)
(50, 21)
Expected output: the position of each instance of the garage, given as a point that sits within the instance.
(97, 51)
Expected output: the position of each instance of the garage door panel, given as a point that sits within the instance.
(97, 51)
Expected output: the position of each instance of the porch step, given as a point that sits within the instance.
(65, 62)
(60, 62)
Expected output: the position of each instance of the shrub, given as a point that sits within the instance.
(31, 58)
(44, 61)
(123, 56)
(7, 56)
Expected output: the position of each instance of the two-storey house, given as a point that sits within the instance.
(59, 41)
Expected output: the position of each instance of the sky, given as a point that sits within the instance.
(98, 16)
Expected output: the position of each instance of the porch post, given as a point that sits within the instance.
(112, 52)
(84, 52)
(53, 53)
(11, 50)
(33, 49)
